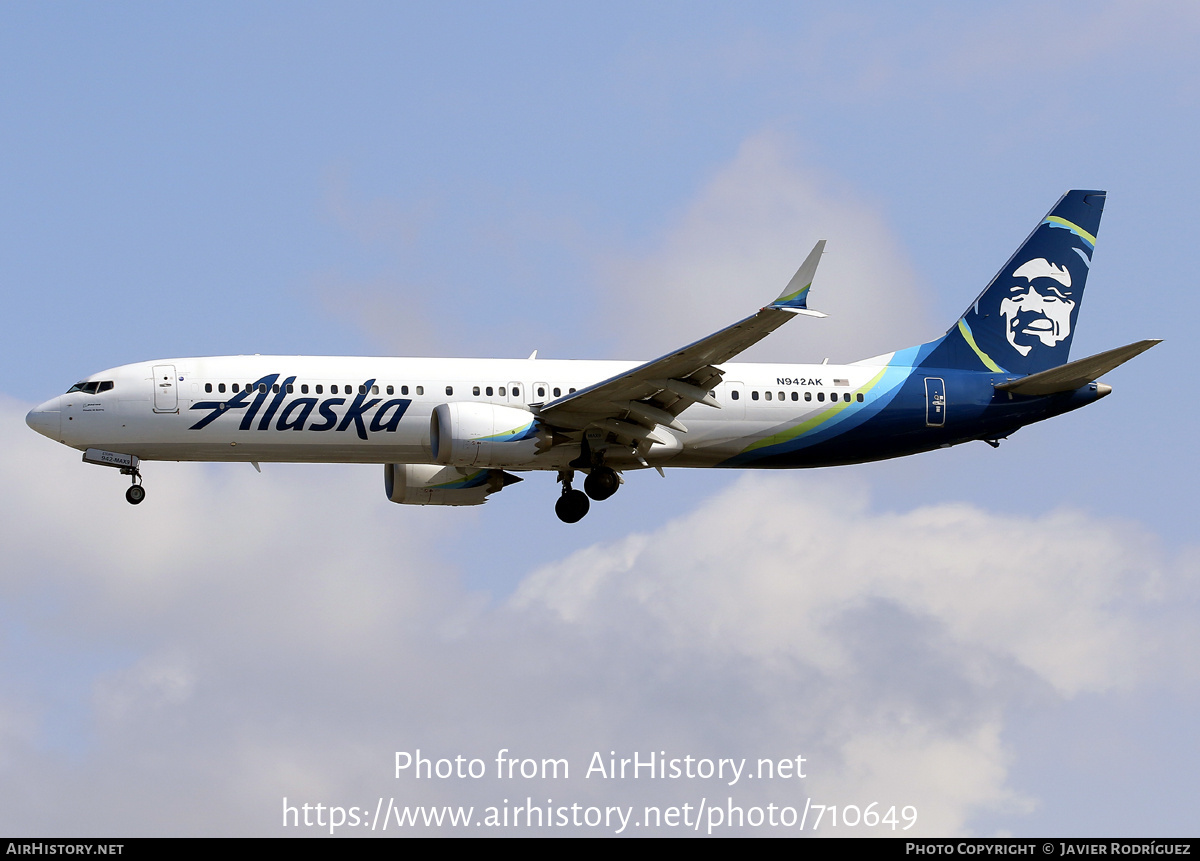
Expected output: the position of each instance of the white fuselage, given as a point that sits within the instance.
(153, 408)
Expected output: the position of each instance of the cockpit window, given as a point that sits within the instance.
(91, 387)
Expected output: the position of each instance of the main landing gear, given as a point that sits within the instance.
(573, 504)
(601, 483)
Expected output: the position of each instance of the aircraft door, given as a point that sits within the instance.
(166, 393)
(935, 402)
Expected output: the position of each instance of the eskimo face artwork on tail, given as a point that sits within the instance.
(1023, 321)
(1039, 305)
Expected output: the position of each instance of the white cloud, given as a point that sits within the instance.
(736, 246)
(894, 641)
(1039, 593)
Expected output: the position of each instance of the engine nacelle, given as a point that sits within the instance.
(430, 484)
(489, 435)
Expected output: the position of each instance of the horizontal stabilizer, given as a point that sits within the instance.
(1072, 375)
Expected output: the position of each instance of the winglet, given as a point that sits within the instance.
(795, 295)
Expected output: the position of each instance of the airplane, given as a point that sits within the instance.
(456, 431)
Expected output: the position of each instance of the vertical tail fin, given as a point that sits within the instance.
(1024, 320)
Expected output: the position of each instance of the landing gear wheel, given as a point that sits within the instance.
(572, 506)
(601, 483)
(135, 494)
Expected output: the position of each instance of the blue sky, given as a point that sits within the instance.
(486, 180)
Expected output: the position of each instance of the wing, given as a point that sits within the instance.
(631, 405)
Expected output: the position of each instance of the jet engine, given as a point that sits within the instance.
(488, 435)
(430, 484)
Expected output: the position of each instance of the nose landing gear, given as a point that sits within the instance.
(136, 492)
(127, 463)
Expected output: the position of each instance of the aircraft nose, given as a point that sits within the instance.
(45, 419)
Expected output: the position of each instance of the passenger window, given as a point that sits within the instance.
(541, 392)
(821, 396)
(404, 390)
(420, 390)
(808, 396)
(320, 389)
(767, 395)
(221, 387)
(754, 396)
(275, 387)
(362, 390)
(570, 391)
(502, 391)
(734, 394)
(391, 390)
(557, 392)
(475, 391)
(795, 396)
(860, 397)
(291, 389)
(516, 391)
(208, 387)
(846, 397)
(235, 387)
(490, 391)
(449, 390)
(333, 390)
(304, 388)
